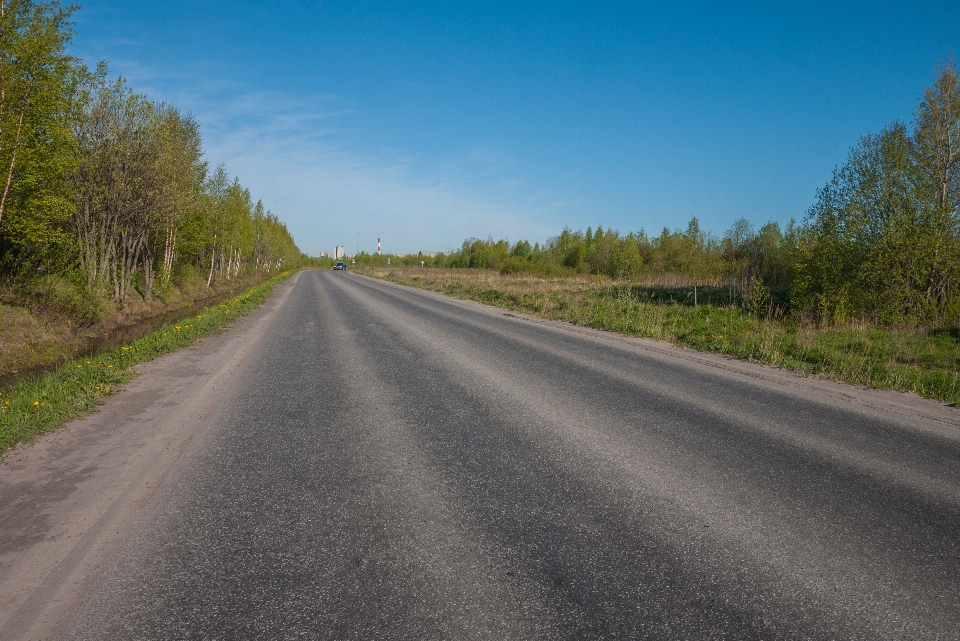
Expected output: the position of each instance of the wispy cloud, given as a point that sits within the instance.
(311, 161)
(328, 196)
(294, 153)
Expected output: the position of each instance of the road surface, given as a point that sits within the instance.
(393, 464)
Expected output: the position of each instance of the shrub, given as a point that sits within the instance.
(58, 298)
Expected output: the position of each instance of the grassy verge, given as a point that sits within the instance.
(923, 361)
(29, 407)
(51, 319)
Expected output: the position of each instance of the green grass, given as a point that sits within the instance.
(31, 406)
(926, 362)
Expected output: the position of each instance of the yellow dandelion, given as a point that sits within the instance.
(35, 403)
(108, 390)
(110, 366)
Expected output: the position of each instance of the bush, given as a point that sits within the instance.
(58, 298)
(186, 276)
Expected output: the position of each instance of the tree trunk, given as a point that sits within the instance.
(149, 269)
(131, 243)
(213, 258)
(13, 156)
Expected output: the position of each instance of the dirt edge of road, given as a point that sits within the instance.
(68, 498)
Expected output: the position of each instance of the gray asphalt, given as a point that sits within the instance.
(394, 465)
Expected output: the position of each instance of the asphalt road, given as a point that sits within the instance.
(390, 464)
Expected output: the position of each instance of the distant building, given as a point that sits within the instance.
(429, 254)
(339, 252)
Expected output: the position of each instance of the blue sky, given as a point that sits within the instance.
(426, 123)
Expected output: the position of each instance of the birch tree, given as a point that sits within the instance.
(177, 172)
(115, 185)
(37, 85)
(937, 154)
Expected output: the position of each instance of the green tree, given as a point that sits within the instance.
(936, 151)
(177, 172)
(38, 81)
(114, 183)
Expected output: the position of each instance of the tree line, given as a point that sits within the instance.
(881, 242)
(104, 187)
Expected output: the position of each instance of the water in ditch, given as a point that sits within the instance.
(120, 336)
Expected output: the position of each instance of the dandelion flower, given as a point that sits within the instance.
(35, 403)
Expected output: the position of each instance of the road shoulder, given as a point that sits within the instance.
(68, 498)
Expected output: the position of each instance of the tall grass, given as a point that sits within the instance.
(926, 362)
(34, 405)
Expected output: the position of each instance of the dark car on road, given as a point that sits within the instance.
(342, 266)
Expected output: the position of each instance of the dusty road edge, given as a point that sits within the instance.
(68, 498)
(904, 404)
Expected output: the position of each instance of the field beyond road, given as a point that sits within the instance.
(926, 362)
(357, 459)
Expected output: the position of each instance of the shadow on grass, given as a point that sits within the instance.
(951, 332)
(705, 295)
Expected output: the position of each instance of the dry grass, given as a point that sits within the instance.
(35, 333)
(923, 361)
(26, 340)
